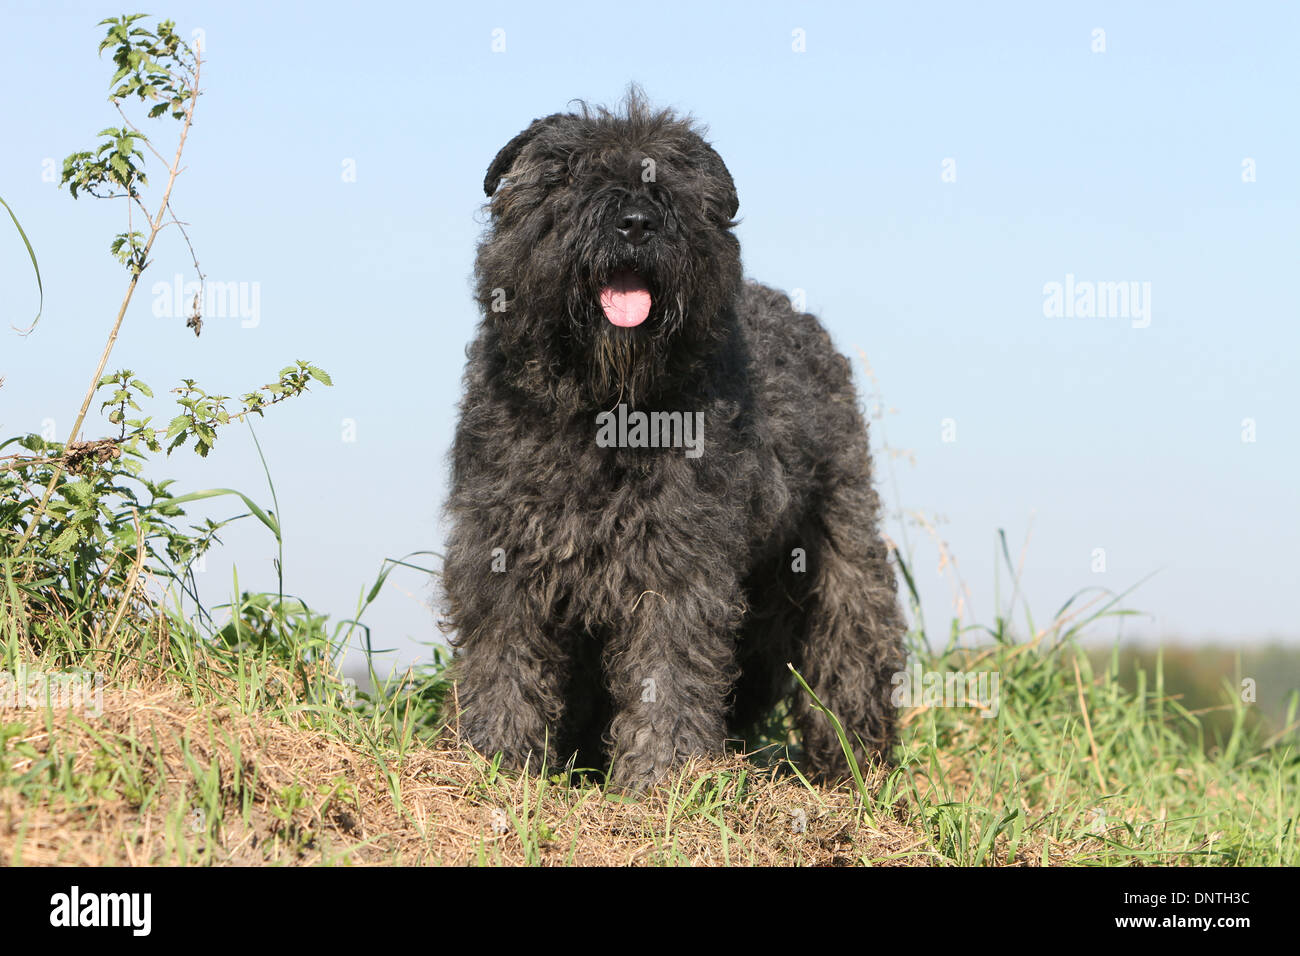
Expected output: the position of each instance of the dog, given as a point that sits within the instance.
(661, 490)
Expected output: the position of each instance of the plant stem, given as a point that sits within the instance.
(156, 225)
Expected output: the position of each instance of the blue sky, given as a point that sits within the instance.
(1084, 433)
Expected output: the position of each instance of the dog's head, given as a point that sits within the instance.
(609, 247)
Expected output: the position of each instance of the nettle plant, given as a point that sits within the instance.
(81, 526)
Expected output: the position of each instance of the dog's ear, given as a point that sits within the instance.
(715, 165)
(510, 152)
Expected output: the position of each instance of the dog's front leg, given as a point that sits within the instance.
(512, 657)
(509, 687)
(670, 669)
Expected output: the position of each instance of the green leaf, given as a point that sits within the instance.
(177, 424)
(65, 541)
(32, 254)
(79, 492)
(267, 519)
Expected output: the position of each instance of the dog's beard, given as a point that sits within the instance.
(629, 364)
(620, 369)
(622, 362)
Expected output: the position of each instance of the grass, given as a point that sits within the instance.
(254, 751)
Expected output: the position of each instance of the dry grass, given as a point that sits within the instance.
(299, 796)
(242, 761)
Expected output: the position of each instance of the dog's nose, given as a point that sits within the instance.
(636, 226)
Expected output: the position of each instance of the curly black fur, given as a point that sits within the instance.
(633, 600)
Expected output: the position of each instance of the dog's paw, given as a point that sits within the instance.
(636, 774)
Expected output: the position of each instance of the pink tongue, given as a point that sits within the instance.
(626, 300)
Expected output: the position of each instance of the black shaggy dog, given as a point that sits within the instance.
(661, 489)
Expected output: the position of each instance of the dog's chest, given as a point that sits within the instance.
(645, 492)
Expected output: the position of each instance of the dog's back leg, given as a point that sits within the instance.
(852, 639)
